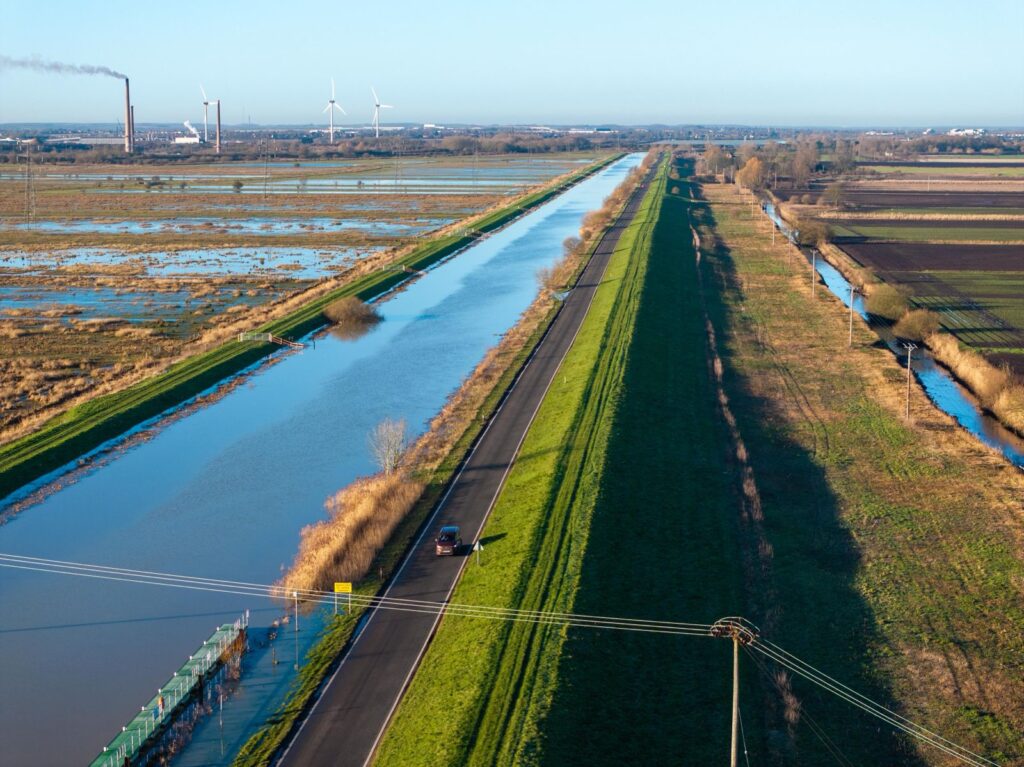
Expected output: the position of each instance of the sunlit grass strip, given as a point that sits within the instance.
(444, 717)
(87, 426)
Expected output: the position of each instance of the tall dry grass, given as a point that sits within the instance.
(983, 378)
(997, 388)
(361, 519)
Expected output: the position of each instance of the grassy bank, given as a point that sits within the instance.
(895, 546)
(448, 715)
(87, 426)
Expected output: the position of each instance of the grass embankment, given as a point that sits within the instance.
(449, 716)
(896, 546)
(431, 462)
(87, 426)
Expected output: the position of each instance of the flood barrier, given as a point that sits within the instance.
(143, 738)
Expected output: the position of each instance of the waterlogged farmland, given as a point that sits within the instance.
(224, 491)
(135, 268)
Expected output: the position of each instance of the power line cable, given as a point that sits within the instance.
(328, 598)
(767, 649)
(816, 730)
(797, 666)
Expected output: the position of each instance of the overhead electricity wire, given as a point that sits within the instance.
(767, 649)
(804, 669)
(815, 729)
(241, 588)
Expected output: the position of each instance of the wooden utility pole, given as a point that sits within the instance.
(853, 292)
(910, 351)
(742, 632)
(734, 745)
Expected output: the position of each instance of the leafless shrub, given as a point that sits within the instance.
(387, 442)
(351, 317)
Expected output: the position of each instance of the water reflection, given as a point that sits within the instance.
(224, 492)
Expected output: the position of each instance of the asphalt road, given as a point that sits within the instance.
(349, 718)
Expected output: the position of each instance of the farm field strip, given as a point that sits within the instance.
(959, 170)
(1013, 233)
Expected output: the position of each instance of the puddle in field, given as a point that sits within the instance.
(248, 226)
(294, 263)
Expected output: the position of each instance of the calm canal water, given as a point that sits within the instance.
(224, 492)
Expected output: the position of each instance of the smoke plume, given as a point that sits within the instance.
(38, 65)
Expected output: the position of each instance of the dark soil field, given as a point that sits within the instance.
(975, 289)
(859, 199)
(883, 257)
(930, 223)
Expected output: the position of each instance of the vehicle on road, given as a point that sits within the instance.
(448, 542)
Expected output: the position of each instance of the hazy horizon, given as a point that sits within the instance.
(912, 65)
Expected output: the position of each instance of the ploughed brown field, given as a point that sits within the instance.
(883, 257)
(933, 223)
(881, 198)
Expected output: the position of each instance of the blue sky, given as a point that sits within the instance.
(869, 63)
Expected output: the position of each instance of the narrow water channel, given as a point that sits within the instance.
(224, 492)
(942, 389)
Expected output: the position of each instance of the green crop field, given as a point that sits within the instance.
(969, 232)
(968, 170)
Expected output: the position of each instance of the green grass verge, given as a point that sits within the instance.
(449, 715)
(979, 170)
(87, 426)
(910, 233)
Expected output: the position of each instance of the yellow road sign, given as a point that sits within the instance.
(342, 588)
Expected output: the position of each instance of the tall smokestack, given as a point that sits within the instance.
(133, 127)
(127, 117)
(218, 126)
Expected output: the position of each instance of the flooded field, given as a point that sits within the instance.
(224, 491)
(294, 263)
(133, 244)
(250, 225)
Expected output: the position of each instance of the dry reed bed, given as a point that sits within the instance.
(363, 515)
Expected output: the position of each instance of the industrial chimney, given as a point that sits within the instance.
(127, 117)
(133, 127)
(218, 126)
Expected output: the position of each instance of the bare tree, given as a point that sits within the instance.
(387, 443)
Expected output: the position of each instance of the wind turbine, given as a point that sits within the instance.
(331, 106)
(206, 114)
(377, 106)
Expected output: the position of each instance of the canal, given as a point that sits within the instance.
(224, 491)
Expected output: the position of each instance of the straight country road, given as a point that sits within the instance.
(346, 723)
